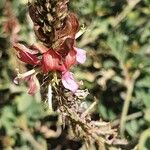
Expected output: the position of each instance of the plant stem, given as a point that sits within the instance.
(128, 118)
(130, 87)
(125, 12)
(31, 139)
(125, 108)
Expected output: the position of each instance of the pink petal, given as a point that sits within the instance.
(30, 78)
(33, 84)
(51, 61)
(81, 55)
(70, 59)
(69, 82)
(26, 55)
(21, 47)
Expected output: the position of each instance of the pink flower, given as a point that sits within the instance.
(80, 55)
(69, 82)
(26, 55)
(30, 78)
(33, 84)
(70, 59)
(51, 61)
(75, 55)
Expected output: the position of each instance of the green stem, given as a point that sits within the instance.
(128, 118)
(130, 87)
(126, 107)
(131, 5)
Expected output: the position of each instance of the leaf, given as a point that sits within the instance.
(8, 119)
(144, 96)
(106, 113)
(24, 102)
(35, 112)
(144, 142)
(147, 115)
(132, 127)
(145, 82)
(117, 44)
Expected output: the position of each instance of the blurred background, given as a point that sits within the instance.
(116, 73)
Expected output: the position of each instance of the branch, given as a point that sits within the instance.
(128, 118)
(130, 87)
(125, 12)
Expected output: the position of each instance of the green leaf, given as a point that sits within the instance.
(117, 44)
(24, 102)
(35, 111)
(144, 96)
(144, 142)
(147, 115)
(132, 127)
(7, 120)
(145, 82)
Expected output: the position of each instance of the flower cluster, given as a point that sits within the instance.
(47, 60)
(56, 53)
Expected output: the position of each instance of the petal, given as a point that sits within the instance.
(21, 47)
(81, 55)
(26, 55)
(33, 84)
(16, 80)
(23, 76)
(51, 61)
(30, 78)
(70, 59)
(39, 47)
(69, 82)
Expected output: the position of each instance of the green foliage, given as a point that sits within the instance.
(121, 45)
(145, 140)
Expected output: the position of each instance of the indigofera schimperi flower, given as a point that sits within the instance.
(49, 60)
